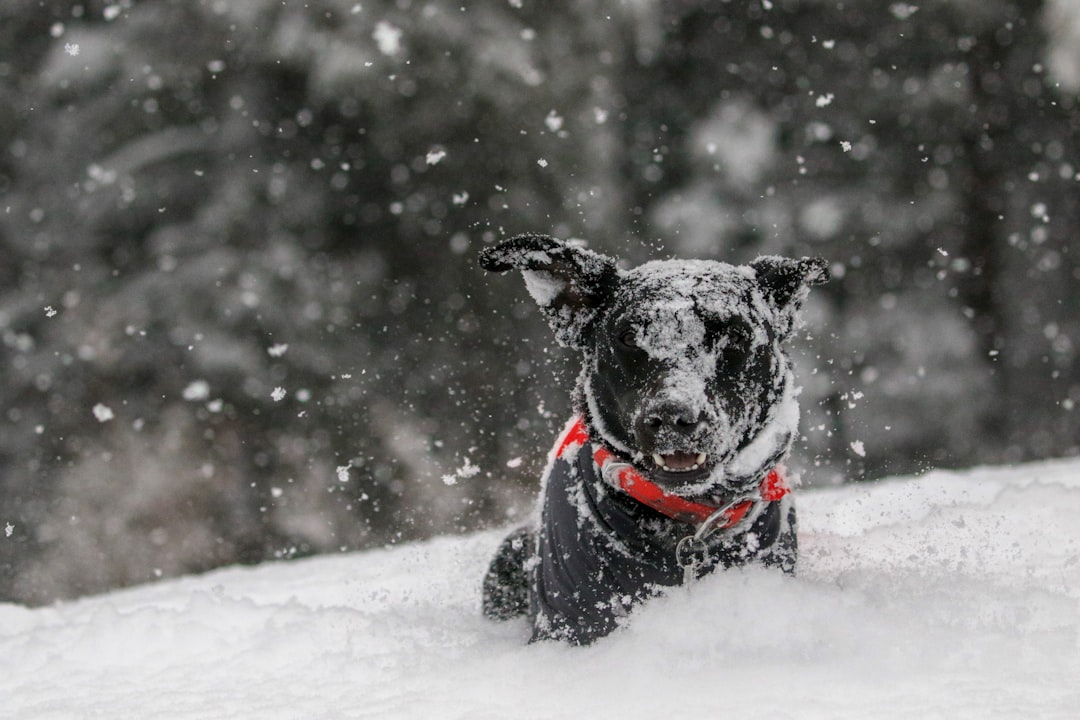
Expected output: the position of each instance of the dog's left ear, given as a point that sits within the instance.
(787, 282)
(569, 283)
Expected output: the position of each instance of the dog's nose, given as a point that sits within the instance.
(671, 415)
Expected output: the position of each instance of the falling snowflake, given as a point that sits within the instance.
(824, 100)
(467, 470)
(553, 121)
(902, 11)
(278, 394)
(103, 413)
(387, 37)
(49, 311)
(858, 448)
(434, 155)
(343, 473)
(277, 350)
(71, 49)
(196, 390)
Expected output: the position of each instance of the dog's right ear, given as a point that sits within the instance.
(786, 283)
(569, 283)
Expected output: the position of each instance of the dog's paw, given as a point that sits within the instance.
(506, 584)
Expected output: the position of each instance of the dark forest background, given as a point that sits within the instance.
(240, 312)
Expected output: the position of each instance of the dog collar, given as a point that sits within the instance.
(627, 478)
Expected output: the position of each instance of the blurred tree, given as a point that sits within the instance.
(239, 322)
(926, 153)
(239, 309)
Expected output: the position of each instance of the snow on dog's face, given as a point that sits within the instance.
(685, 373)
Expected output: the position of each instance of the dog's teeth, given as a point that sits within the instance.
(700, 460)
(659, 460)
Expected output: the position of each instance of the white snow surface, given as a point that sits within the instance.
(951, 595)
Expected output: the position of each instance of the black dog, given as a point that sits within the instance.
(686, 406)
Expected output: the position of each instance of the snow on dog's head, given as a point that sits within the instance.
(685, 373)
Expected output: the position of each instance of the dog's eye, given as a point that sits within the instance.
(735, 350)
(629, 339)
(735, 356)
(732, 346)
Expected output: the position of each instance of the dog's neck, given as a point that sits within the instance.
(626, 478)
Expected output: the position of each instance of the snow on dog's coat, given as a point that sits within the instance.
(685, 380)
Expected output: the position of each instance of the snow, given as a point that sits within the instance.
(388, 38)
(949, 595)
(102, 412)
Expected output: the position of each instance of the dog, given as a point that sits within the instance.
(685, 411)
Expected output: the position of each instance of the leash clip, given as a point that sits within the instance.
(610, 472)
(691, 551)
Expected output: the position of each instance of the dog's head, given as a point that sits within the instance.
(685, 372)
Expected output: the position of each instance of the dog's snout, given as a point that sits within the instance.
(671, 416)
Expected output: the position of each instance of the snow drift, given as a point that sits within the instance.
(950, 595)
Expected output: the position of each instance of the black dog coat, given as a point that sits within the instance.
(592, 563)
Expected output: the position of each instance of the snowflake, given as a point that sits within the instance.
(196, 390)
(553, 121)
(103, 413)
(902, 11)
(387, 37)
(278, 394)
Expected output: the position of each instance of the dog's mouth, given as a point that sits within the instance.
(680, 462)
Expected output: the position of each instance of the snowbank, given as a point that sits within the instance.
(950, 595)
